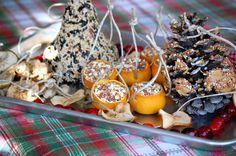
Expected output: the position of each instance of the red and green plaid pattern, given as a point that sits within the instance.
(28, 134)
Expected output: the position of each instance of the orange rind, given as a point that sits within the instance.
(161, 79)
(147, 104)
(103, 103)
(131, 77)
(88, 83)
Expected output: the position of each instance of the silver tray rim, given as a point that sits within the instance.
(123, 127)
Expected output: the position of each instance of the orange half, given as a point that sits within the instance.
(131, 77)
(89, 84)
(148, 104)
(161, 79)
(111, 105)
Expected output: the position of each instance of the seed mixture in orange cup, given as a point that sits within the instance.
(108, 93)
(98, 69)
(149, 100)
(149, 54)
(132, 74)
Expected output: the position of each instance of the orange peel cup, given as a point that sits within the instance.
(149, 59)
(142, 75)
(161, 79)
(89, 84)
(149, 104)
(110, 105)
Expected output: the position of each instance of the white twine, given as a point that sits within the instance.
(201, 97)
(159, 22)
(161, 52)
(201, 30)
(33, 28)
(53, 16)
(149, 83)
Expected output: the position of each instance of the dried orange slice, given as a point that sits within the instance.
(98, 69)
(161, 79)
(148, 101)
(130, 75)
(149, 54)
(108, 93)
(122, 113)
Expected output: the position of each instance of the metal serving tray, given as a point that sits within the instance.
(226, 141)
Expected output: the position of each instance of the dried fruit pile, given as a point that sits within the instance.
(198, 66)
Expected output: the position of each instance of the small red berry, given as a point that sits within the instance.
(79, 110)
(38, 101)
(93, 111)
(140, 48)
(217, 124)
(231, 109)
(190, 131)
(148, 124)
(224, 115)
(204, 132)
(128, 48)
(64, 107)
(39, 57)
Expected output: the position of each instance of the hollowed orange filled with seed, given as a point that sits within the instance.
(149, 100)
(161, 79)
(149, 54)
(109, 93)
(98, 69)
(132, 73)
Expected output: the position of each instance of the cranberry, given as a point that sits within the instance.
(190, 131)
(39, 57)
(231, 109)
(224, 115)
(128, 48)
(93, 111)
(64, 107)
(79, 110)
(38, 101)
(148, 124)
(217, 125)
(204, 132)
(140, 48)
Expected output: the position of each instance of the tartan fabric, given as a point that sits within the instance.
(29, 134)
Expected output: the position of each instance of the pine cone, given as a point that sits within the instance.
(198, 66)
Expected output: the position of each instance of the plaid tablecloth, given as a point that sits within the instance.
(28, 134)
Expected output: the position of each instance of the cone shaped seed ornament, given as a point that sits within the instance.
(72, 48)
(198, 66)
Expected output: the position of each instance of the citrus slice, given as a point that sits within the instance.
(98, 69)
(148, 101)
(167, 119)
(108, 94)
(132, 75)
(182, 119)
(122, 113)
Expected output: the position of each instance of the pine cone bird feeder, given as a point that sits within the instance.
(198, 66)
